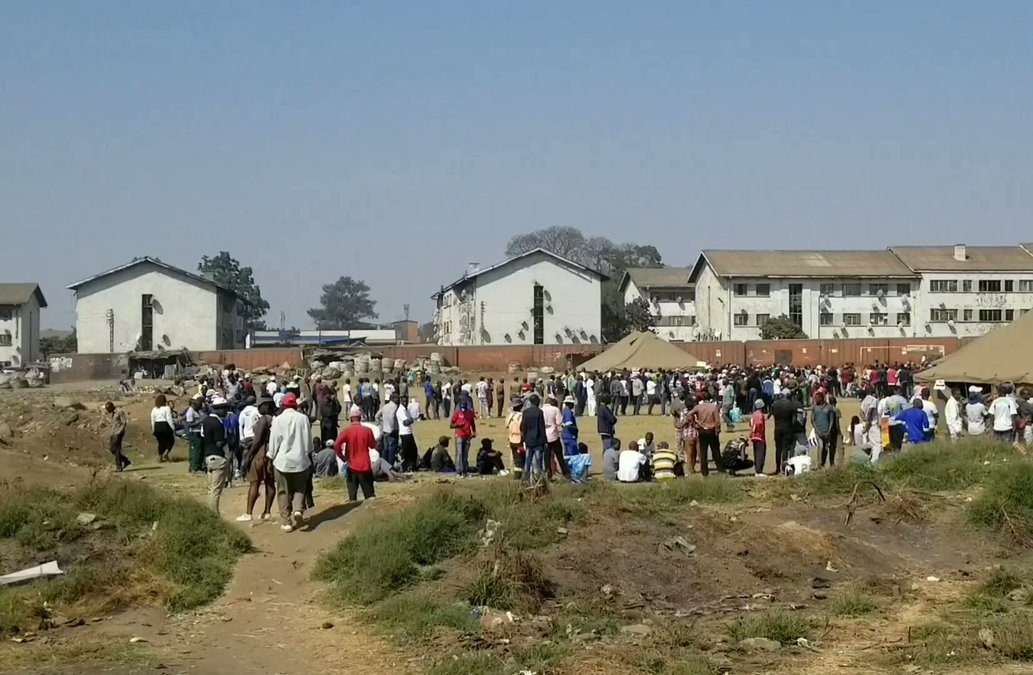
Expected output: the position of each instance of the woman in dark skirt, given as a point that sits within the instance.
(163, 427)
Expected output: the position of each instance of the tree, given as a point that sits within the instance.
(637, 315)
(781, 328)
(59, 343)
(345, 304)
(427, 331)
(226, 270)
(598, 253)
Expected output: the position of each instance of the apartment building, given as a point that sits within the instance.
(904, 291)
(671, 298)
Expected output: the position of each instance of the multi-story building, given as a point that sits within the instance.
(19, 323)
(671, 298)
(968, 290)
(147, 304)
(531, 299)
(898, 292)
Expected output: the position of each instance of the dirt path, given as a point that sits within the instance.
(270, 619)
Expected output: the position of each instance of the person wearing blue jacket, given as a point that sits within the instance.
(570, 431)
(916, 422)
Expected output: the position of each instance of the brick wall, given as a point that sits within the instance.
(250, 359)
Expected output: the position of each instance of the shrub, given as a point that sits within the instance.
(1006, 504)
(780, 626)
(413, 615)
(853, 604)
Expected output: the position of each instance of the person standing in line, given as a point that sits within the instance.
(570, 430)
(500, 396)
(952, 414)
(784, 411)
(446, 399)
(975, 413)
(821, 418)
(290, 451)
(192, 418)
(606, 422)
(163, 427)
(515, 436)
(116, 432)
(553, 443)
(256, 466)
(216, 451)
(1004, 411)
(483, 409)
(387, 418)
(410, 454)
(465, 428)
(533, 434)
(590, 395)
(354, 446)
(758, 437)
(637, 390)
(706, 417)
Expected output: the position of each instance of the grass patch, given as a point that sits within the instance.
(1006, 504)
(78, 655)
(663, 497)
(183, 562)
(947, 466)
(989, 596)
(783, 627)
(509, 580)
(677, 662)
(469, 663)
(854, 604)
(414, 616)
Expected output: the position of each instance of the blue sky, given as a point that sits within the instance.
(396, 141)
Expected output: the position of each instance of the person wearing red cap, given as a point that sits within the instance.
(353, 446)
(290, 445)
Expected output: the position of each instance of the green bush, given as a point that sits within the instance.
(947, 466)
(853, 604)
(1006, 504)
(413, 615)
(780, 626)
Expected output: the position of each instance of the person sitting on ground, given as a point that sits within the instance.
(489, 460)
(579, 464)
(382, 470)
(633, 466)
(646, 445)
(324, 459)
(734, 457)
(665, 463)
(611, 460)
(440, 460)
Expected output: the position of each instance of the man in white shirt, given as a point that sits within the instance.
(270, 387)
(931, 412)
(975, 415)
(346, 395)
(1004, 410)
(630, 464)
(406, 441)
(482, 399)
(952, 415)
(290, 447)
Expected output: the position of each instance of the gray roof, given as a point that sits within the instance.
(559, 258)
(977, 258)
(19, 294)
(657, 277)
(802, 264)
(153, 261)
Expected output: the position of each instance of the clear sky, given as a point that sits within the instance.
(396, 141)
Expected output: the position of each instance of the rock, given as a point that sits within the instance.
(636, 629)
(584, 637)
(818, 582)
(493, 619)
(85, 519)
(137, 640)
(327, 625)
(69, 403)
(5, 431)
(1019, 595)
(986, 636)
(70, 419)
(759, 644)
(561, 530)
(19, 383)
(932, 578)
(819, 596)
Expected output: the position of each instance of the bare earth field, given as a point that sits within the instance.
(811, 575)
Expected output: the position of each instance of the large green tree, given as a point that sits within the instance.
(345, 304)
(781, 328)
(598, 253)
(227, 270)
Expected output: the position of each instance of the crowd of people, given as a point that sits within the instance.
(261, 432)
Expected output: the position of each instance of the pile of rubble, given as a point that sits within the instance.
(29, 379)
(333, 366)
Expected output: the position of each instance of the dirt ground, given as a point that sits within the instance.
(271, 620)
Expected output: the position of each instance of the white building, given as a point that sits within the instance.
(531, 299)
(19, 323)
(148, 305)
(671, 298)
(905, 291)
(829, 294)
(967, 290)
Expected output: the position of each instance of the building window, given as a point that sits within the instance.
(828, 289)
(966, 286)
(966, 315)
(763, 319)
(990, 315)
(852, 319)
(6, 313)
(903, 318)
(937, 315)
(538, 314)
(796, 304)
(903, 289)
(146, 322)
(989, 285)
(5, 340)
(1009, 286)
(851, 289)
(740, 289)
(825, 319)
(878, 319)
(1009, 314)
(943, 286)
(878, 289)
(742, 319)
(763, 290)
(1025, 285)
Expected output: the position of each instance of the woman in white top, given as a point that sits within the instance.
(163, 426)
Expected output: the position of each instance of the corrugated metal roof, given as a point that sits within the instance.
(472, 275)
(797, 264)
(658, 277)
(152, 261)
(19, 294)
(977, 258)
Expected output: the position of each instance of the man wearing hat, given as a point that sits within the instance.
(353, 446)
(216, 451)
(515, 435)
(290, 447)
(570, 430)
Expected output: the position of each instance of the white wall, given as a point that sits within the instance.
(1017, 301)
(677, 321)
(185, 312)
(21, 322)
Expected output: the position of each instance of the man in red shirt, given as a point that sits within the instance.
(465, 429)
(353, 446)
(759, 437)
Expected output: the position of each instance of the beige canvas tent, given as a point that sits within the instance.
(1004, 354)
(641, 350)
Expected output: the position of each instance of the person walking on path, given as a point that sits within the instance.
(255, 463)
(215, 447)
(116, 432)
(290, 450)
(163, 427)
(353, 446)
